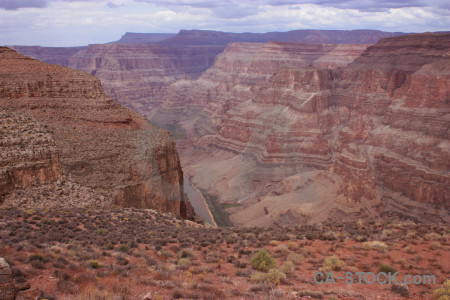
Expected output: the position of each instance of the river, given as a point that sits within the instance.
(198, 202)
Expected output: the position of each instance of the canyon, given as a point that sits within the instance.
(291, 133)
(341, 126)
(64, 143)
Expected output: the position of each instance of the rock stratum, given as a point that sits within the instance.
(65, 143)
(137, 70)
(296, 133)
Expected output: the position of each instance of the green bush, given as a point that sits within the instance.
(263, 261)
(386, 269)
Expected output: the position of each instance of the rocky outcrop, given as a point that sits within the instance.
(7, 291)
(28, 153)
(301, 132)
(64, 127)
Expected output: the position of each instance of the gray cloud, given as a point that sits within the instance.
(16, 4)
(112, 5)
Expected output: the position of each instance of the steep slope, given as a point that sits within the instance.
(59, 124)
(293, 134)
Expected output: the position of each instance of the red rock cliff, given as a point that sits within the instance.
(60, 125)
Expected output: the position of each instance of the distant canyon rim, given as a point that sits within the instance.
(297, 127)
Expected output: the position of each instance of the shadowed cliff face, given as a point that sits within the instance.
(301, 133)
(59, 125)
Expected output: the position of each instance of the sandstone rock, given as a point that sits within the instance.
(7, 291)
(73, 131)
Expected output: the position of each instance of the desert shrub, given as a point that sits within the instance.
(94, 264)
(386, 268)
(274, 276)
(442, 293)
(263, 261)
(37, 264)
(401, 289)
(332, 263)
(66, 287)
(312, 294)
(375, 245)
(101, 231)
(242, 272)
(166, 253)
(123, 248)
(9, 262)
(281, 250)
(184, 262)
(287, 267)
(295, 258)
(35, 257)
(122, 260)
(292, 246)
(46, 221)
(186, 253)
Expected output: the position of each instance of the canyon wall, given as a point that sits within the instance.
(62, 134)
(305, 133)
(138, 75)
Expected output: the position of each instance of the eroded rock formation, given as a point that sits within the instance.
(57, 124)
(301, 133)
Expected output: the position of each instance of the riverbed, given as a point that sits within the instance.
(198, 202)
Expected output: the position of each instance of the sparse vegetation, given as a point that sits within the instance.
(140, 250)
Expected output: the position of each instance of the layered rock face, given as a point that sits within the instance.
(59, 124)
(138, 75)
(300, 133)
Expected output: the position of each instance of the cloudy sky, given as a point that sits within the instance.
(82, 22)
